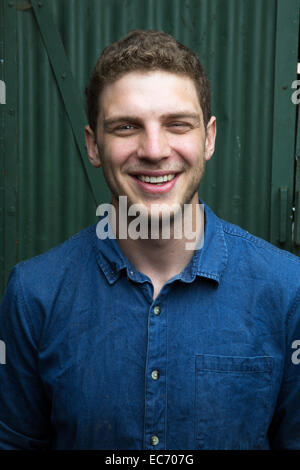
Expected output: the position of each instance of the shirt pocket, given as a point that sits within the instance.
(233, 396)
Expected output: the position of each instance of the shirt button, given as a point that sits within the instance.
(154, 440)
(155, 375)
(156, 310)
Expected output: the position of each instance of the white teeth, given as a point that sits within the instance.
(156, 179)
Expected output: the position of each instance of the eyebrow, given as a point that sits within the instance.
(113, 120)
(137, 120)
(181, 115)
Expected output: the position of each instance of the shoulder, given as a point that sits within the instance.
(45, 271)
(235, 234)
(257, 254)
(78, 243)
(48, 282)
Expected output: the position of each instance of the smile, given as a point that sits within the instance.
(156, 179)
(159, 184)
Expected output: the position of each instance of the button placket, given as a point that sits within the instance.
(155, 396)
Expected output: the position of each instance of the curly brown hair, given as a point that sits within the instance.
(145, 51)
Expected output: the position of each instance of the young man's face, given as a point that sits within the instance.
(150, 126)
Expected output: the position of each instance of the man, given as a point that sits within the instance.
(141, 343)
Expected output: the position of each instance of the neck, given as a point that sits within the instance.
(162, 258)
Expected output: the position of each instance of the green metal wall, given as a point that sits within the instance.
(249, 49)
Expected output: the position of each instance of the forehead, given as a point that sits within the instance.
(149, 93)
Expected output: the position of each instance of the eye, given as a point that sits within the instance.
(179, 127)
(125, 129)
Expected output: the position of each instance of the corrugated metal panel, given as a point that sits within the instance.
(283, 193)
(235, 40)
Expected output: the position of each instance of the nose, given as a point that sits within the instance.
(153, 144)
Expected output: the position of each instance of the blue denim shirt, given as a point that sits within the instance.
(93, 362)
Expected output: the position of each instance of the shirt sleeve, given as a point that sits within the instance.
(285, 428)
(24, 409)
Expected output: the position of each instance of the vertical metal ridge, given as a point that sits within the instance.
(11, 142)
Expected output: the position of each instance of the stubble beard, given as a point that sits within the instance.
(187, 198)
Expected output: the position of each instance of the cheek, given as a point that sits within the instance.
(118, 152)
(189, 146)
(192, 153)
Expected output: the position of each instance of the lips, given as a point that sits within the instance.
(156, 179)
(158, 182)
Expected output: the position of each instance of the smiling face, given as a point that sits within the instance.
(151, 140)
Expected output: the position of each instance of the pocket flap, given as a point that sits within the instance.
(207, 362)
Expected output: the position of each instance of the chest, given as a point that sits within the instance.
(124, 363)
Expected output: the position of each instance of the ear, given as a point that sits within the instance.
(92, 147)
(211, 131)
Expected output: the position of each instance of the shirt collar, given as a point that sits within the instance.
(208, 262)
(213, 257)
